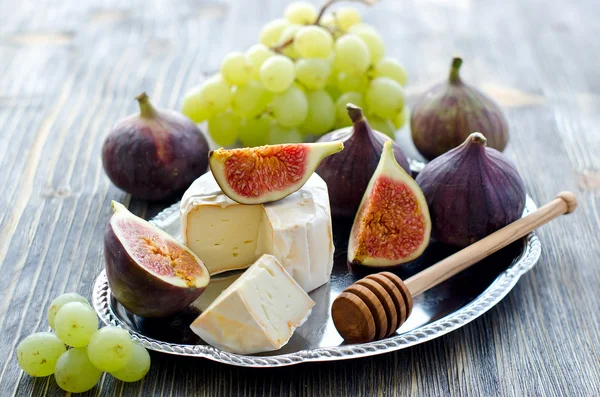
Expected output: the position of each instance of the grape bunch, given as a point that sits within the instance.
(295, 83)
(92, 350)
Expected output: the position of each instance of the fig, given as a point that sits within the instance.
(154, 154)
(392, 225)
(347, 174)
(267, 173)
(149, 272)
(471, 191)
(447, 113)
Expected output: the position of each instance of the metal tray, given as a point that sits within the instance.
(440, 310)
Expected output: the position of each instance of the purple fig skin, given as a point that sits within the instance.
(446, 114)
(155, 154)
(471, 191)
(138, 290)
(348, 172)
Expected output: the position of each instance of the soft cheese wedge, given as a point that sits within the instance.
(257, 313)
(227, 235)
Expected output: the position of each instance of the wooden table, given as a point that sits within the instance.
(69, 70)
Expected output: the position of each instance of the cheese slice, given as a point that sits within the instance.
(257, 313)
(227, 235)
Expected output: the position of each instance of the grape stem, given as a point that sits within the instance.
(280, 47)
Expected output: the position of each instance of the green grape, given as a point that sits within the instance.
(270, 33)
(385, 97)
(333, 91)
(313, 42)
(59, 301)
(251, 99)
(361, 27)
(401, 118)
(347, 17)
(374, 43)
(321, 113)
(390, 67)
(75, 373)
(357, 83)
(236, 69)
(351, 55)
(329, 21)
(300, 12)
(37, 354)
(75, 323)
(341, 112)
(313, 73)
(224, 128)
(279, 134)
(257, 55)
(288, 34)
(332, 79)
(290, 107)
(110, 348)
(277, 73)
(382, 125)
(339, 125)
(255, 131)
(137, 367)
(192, 108)
(211, 97)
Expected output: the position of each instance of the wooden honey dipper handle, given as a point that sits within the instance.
(564, 203)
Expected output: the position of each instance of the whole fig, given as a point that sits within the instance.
(447, 113)
(348, 172)
(154, 154)
(471, 192)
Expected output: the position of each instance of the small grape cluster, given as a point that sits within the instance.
(297, 81)
(91, 350)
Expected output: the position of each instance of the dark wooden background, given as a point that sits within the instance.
(69, 69)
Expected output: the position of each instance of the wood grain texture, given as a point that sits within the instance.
(69, 70)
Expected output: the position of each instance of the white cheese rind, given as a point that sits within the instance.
(296, 230)
(257, 313)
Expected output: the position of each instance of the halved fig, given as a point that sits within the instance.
(392, 225)
(149, 272)
(267, 173)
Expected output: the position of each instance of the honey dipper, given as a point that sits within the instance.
(377, 305)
